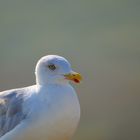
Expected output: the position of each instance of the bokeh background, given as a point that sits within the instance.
(101, 38)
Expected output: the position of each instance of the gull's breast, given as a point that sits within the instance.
(58, 115)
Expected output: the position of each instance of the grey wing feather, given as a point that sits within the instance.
(11, 112)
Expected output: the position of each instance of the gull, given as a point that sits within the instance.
(48, 110)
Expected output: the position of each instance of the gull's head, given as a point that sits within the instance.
(55, 69)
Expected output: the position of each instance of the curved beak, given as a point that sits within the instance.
(73, 76)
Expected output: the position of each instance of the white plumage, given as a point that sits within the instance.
(48, 110)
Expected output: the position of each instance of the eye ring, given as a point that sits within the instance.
(52, 67)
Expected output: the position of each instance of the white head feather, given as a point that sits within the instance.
(44, 74)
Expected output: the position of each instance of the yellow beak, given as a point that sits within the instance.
(76, 77)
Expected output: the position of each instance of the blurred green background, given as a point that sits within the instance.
(101, 38)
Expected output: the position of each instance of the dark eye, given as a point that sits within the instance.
(52, 67)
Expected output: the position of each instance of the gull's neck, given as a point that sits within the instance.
(42, 82)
